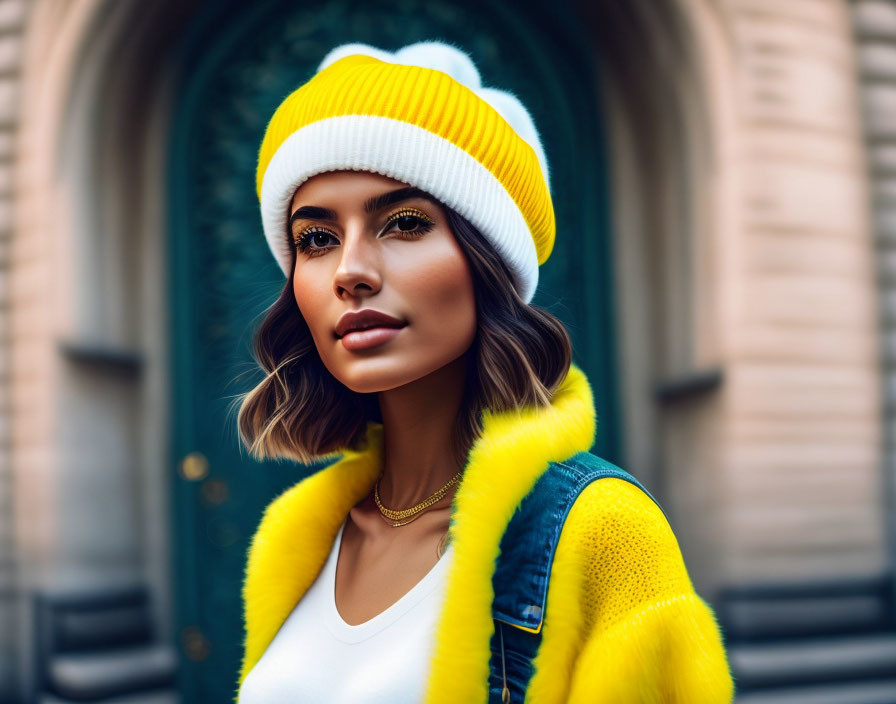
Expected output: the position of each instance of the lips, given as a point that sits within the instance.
(364, 319)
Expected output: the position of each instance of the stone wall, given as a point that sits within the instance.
(802, 398)
(12, 21)
(875, 26)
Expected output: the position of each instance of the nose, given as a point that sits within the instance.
(359, 269)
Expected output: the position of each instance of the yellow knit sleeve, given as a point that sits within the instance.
(647, 637)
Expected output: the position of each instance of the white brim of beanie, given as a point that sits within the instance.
(406, 153)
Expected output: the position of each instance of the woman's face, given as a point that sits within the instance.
(365, 242)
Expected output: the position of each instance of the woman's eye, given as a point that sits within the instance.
(311, 241)
(410, 223)
(406, 222)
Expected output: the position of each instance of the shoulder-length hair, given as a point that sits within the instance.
(519, 356)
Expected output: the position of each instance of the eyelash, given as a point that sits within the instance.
(302, 241)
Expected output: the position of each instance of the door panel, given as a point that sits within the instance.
(244, 59)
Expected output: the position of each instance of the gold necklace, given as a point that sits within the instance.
(415, 510)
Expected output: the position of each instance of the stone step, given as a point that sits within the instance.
(150, 697)
(882, 691)
(813, 661)
(766, 612)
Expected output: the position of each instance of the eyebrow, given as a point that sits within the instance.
(371, 205)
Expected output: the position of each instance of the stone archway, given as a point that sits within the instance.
(105, 105)
(87, 286)
(712, 145)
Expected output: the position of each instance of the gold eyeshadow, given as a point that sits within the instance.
(410, 211)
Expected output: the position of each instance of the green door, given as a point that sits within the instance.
(243, 60)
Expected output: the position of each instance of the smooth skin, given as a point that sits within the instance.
(384, 260)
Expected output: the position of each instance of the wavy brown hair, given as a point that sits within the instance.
(519, 356)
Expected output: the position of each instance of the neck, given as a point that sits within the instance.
(418, 436)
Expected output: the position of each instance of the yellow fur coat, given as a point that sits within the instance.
(623, 624)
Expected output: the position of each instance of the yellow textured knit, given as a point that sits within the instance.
(622, 622)
(623, 619)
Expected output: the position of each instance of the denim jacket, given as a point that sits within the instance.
(524, 566)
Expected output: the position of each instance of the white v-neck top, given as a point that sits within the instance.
(318, 658)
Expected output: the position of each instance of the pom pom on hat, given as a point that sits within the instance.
(396, 113)
(437, 55)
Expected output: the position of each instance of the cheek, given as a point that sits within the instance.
(307, 296)
(441, 295)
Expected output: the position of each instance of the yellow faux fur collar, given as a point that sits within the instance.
(298, 528)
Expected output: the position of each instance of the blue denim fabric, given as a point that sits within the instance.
(524, 564)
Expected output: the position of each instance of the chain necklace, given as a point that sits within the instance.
(415, 510)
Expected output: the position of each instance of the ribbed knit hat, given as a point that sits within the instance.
(421, 116)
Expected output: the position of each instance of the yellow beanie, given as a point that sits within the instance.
(419, 115)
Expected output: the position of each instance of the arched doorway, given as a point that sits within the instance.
(244, 61)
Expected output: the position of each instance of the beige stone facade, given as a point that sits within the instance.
(12, 20)
(754, 194)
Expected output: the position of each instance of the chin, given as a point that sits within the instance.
(374, 374)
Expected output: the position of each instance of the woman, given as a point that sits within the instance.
(460, 548)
